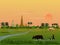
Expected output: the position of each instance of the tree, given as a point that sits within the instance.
(46, 25)
(42, 25)
(55, 25)
(7, 24)
(2, 25)
(17, 25)
(29, 23)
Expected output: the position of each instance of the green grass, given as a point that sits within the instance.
(27, 38)
(11, 31)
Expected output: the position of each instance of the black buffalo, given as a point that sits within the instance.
(38, 37)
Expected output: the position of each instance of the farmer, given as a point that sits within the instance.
(52, 37)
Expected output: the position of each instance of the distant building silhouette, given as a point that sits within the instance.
(21, 21)
(13, 23)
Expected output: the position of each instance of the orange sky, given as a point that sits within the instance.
(32, 10)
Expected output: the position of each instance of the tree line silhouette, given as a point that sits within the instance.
(43, 25)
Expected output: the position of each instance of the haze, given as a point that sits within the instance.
(37, 11)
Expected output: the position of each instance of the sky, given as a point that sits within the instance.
(36, 11)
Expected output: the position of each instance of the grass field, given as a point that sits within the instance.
(11, 31)
(26, 39)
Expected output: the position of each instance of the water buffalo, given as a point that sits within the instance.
(38, 37)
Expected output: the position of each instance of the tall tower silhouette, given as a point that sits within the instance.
(21, 21)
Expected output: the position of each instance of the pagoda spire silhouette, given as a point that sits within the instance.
(12, 23)
(21, 21)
